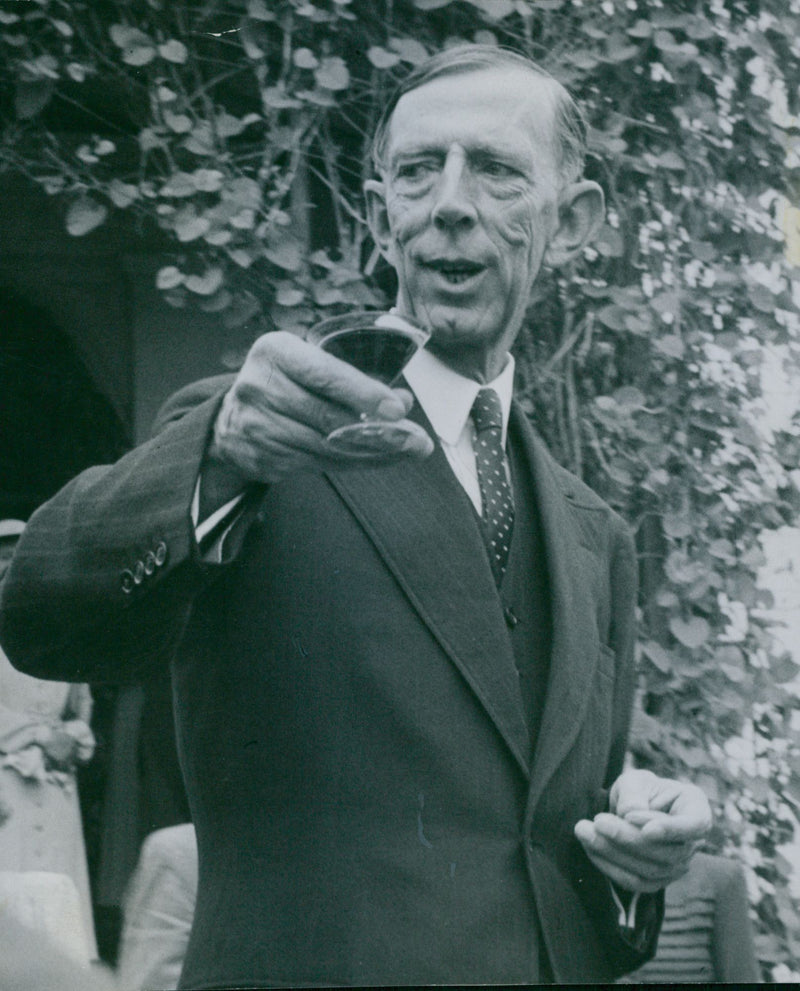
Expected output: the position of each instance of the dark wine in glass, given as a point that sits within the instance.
(379, 344)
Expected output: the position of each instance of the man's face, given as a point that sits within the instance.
(470, 193)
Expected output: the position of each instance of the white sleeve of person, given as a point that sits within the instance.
(627, 916)
(211, 532)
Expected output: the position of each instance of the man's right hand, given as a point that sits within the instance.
(288, 396)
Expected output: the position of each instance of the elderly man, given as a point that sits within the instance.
(402, 739)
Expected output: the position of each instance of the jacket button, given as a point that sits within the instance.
(149, 563)
(127, 581)
(161, 553)
(138, 572)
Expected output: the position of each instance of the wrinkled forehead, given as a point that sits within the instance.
(499, 105)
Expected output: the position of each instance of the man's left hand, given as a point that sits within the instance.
(651, 832)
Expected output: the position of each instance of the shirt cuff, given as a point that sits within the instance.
(211, 532)
(627, 916)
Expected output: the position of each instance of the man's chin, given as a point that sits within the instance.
(456, 322)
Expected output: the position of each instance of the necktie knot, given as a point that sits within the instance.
(487, 411)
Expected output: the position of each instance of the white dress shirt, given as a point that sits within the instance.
(446, 398)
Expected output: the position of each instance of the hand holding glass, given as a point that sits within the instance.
(379, 344)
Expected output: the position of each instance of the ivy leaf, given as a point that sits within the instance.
(251, 36)
(692, 633)
(609, 243)
(722, 549)
(784, 669)
(179, 185)
(122, 194)
(319, 97)
(31, 97)
(666, 302)
(621, 53)
(150, 138)
(332, 74)
(286, 255)
(495, 10)
(244, 220)
(219, 237)
(84, 215)
(137, 47)
(174, 51)
(382, 59)
(206, 284)
(188, 225)
(169, 277)
(629, 397)
(676, 525)
(125, 36)
(278, 98)
(304, 58)
(409, 49)
(325, 295)
(612, 316)
(244, 193)
(77, 71)
(761, 297)
(258, 10)
(698, 28)
(179, 123)
(201, 140)
(731, 664)
(659, 657)
(207, 180)
(670, 160)
(671, 345)
(229, 126)
(216, 302)
(244, 306)
(289, 295)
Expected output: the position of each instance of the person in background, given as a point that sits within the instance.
(158, 910)
(144, 793)
(30, 961)
(44, 736)
(402, 677)
(707, 935)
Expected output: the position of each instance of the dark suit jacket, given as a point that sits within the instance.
(349, 716)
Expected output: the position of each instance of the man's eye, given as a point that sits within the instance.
(497, 170)
(414, 171)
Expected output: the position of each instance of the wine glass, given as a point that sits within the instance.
(380, 344)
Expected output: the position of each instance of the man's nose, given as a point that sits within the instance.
(454, 203)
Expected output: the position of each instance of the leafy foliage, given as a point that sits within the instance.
(241, 131)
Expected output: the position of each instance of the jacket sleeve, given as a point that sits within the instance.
(104, 576)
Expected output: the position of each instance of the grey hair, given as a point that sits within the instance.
(570, 126)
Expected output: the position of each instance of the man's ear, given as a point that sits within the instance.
(581, 209)
(378, 216)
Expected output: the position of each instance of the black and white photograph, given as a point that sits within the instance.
(399, 493)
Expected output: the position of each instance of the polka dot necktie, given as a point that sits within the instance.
(496, 495)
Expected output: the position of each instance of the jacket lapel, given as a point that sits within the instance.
(575, 647)
(421, 522)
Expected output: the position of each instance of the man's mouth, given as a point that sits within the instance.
(455, 270)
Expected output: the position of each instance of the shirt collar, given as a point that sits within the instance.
(447, 397)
